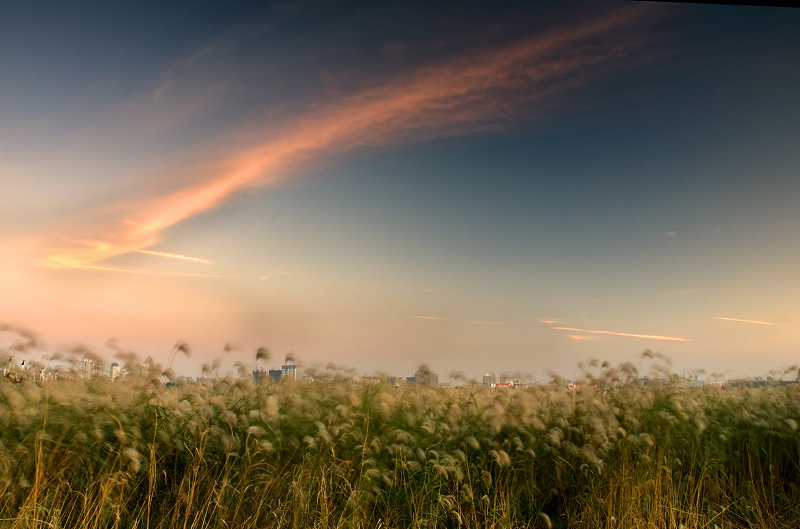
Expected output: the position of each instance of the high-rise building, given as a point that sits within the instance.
(289, 372)
(424, 376)
(116, 371)
(260, 376)
(88, 368)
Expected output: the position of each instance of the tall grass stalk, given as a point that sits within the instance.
(612, 453)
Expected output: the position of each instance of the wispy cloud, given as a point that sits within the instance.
(150, 272)
(593, 333)
(471, 93)
(686, 291)
(178, 256)
(476, 322)
(740, 320)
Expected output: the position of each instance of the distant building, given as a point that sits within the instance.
(424, 377)
(494, 379)
(260, 376)
(275, 375)
(88, 368)
(116, 371)
(288, 372)
(379, 379)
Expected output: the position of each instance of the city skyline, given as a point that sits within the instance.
(382, 185)
(650, 368)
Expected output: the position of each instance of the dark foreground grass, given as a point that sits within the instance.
(131, 454)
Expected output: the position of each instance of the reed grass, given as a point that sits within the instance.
(612, 453)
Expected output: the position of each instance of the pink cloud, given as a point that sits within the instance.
(473, 93)
(629, 335)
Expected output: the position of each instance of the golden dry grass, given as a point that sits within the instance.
(613, 453)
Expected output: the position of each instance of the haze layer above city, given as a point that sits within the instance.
(481, 188)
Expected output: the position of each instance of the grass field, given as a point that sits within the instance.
(134, 454)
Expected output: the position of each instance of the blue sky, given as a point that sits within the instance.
(378, 185)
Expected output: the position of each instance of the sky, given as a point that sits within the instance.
(514, 187)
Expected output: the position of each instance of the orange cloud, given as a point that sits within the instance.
(646, 336)
(477, 92)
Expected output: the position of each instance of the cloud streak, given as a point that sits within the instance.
(476, 322)
(472, 93)
(625, 334)
(177, 256)
(755, 322)
(150, 272)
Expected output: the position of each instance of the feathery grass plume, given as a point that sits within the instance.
(262, 353)
(89, 453)
(179, 347)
